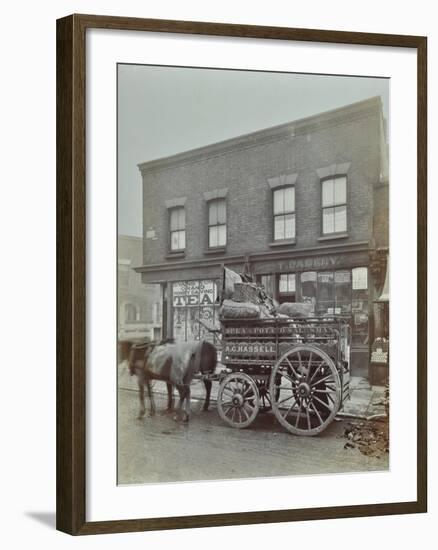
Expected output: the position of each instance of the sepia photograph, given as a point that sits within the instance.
(252, 274)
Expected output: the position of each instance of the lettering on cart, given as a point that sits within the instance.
(256, 348)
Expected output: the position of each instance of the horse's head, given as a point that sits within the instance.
(139, 355)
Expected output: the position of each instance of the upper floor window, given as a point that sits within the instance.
(284, 213)
(217, 223)
(334, 205)
(177, 228)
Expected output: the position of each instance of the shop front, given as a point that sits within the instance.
(334, 285)
(194, 309)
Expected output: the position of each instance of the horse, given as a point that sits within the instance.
(175, 363)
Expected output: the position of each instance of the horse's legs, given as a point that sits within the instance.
(180, 402)
(207, 384)
(169, 396)
(140, 382)
(186, 413)
(184, 396)
(151, 397)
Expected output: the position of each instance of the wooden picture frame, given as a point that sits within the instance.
(71, 272)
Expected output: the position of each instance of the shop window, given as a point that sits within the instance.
(326, 293)
(359, 306)
(217, 223)
(284, 213)
(334, 293)
(334, 205)
(287, 287)
(342, 292)
(194, 309)
(268, 282)
(177, 229)
(308, 287)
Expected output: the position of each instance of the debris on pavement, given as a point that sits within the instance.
(370, 437)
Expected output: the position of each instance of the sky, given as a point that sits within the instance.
(166, 110)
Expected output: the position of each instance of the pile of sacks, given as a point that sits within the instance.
(246, 300)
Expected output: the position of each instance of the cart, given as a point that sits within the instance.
(298, 368)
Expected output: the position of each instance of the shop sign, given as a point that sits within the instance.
(194, 294)
(314, 263)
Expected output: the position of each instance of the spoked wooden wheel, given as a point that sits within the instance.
(305, 390)
(238, 400)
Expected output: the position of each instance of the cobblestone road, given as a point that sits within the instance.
(158, 449)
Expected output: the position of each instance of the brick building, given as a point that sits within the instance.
(303, 205)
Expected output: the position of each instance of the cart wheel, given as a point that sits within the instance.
(305, 390)
(238, 400)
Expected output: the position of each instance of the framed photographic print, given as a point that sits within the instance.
(241, 288)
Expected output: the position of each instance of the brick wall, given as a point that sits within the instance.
(244, 165)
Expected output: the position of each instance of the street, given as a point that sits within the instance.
(159, 449)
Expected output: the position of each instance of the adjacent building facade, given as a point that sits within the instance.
(139, 305)
(303, 206)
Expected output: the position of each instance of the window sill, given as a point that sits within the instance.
(286, 242)
(175, 255)
(217, 250)
(333, 236)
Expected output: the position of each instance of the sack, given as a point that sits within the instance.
(229, 281)
(246, 292)
(296, 309)
(239, 310)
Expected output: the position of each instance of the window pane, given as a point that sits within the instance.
(212, 213)
(328, 220)
(283, 283)
(340, 218)
(360, 278)
(289, 226)
(340, 190)
(268, 281)
(289, 199)
(182, 239)
(279, 228)
(327, 193)
(181, 218)
(342, 292)
(325, 293)
(173, 219)
(287, 283)
(177, 219)
(222, 235)
(174, 240)
(308, 287)
(291, 282)
(212, 236)
(279, 201)
(221, 211)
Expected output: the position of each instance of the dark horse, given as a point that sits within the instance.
(176, 364)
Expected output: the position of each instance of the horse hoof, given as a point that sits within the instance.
(151, 414)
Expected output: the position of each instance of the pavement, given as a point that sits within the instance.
(365, 401)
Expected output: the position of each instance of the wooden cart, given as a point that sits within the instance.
(298, 368)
